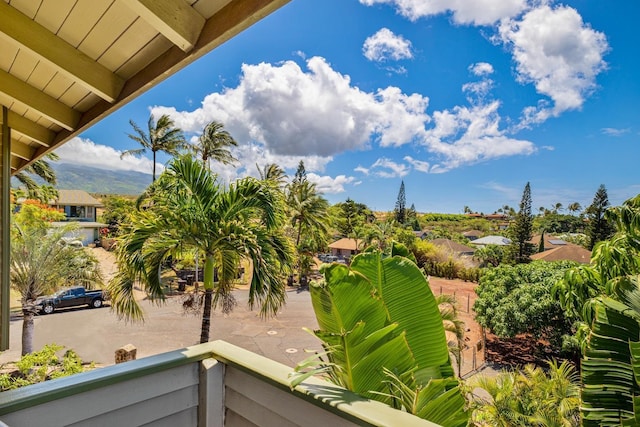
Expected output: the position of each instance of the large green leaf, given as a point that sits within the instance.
(409, 301)
(607, 374)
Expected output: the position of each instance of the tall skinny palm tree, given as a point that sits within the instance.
(160, 136)
(214, 144)
(189, 209)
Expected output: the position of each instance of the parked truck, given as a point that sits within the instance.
(70, 297)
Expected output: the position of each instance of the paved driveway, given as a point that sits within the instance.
(95, 334)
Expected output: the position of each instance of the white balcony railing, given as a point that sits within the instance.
(213, 384)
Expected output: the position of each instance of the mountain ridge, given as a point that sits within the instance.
(102, 181)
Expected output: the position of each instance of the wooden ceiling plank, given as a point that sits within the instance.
(51, 15)
(26, 94)
(31, 130)
(19, 29)
(106, 31)
(136, 38)
(174, 19)
(81, 20)
(21, 150)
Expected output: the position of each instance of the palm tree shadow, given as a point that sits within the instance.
(333, 395)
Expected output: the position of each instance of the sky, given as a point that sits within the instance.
(463, 101)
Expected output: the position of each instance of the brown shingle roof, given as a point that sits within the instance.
(568, 252)
(76, 198)
(453, 246)
(345, 243)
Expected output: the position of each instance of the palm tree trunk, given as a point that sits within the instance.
(154, 167)
(208, 296)
(27, 331)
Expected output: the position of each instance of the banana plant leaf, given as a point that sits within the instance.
(408, 300)
(609, 385)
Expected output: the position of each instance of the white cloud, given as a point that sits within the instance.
(88, 153)
(330, 185)
(477, 12)
(557, 52)
(282, 114)
(386, 168)
(468, 135)
(385, 45)
(361, 169)
(615, 131)
(298, 113)
(419, 165)
(481, 68)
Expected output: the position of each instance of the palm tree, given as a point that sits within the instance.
(452, 323)
(308, 211)
(160, 136)
(189, 209)
(272, 172)
(574, 207)
(41, 169)
(41, 263)
(214, 143)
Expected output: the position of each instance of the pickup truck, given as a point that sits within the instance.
(70, 297)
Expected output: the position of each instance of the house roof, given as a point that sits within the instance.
(345, 243)
(568, 252)
(550, 241)
(472, 233)
(492, 240)
(76, 198)
(65, 65)
(452, 246)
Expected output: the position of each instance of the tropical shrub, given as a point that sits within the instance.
(42, 365)
(606, 296)
(383, 337)
(529, 397)
(515, 300)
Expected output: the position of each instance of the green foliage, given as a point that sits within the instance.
(116, 211)
(41, 366)
(489, 255)
(350, 216)
(521, 230)
(599, 227)
(383, 335)
(400, 211)
(555, 223)
(529, 397)
(517, 299)
(606, 295)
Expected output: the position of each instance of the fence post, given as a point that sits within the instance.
(474, 363)
(468, 299)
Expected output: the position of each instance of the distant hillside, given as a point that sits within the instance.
(94, 180)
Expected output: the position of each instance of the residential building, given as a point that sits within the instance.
(80, 206)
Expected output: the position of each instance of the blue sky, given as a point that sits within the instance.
(466, 101)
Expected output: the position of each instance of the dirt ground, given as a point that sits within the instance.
(473, 353)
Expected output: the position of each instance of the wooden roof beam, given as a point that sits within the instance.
(31, 130)
(174, 19)
(31, 97)
(18, 29)
(22, 150)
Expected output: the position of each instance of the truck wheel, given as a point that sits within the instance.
(48, 309)
(96, 303)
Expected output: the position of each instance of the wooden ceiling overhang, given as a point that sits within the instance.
(66, 64)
